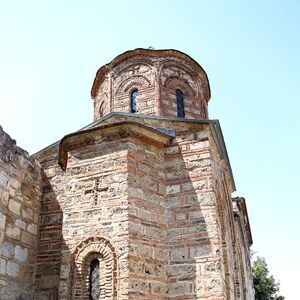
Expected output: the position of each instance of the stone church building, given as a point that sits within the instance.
(136, 205)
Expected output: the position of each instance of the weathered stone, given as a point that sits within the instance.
(32, 228)
(5, 197)
(4, 179)
(2, 266)
(12, 269)
(21, 253)
(28, 238)
(13, 232)
(20, 223)
(7, 250)
(14, 206)
(17, 169)
(27, 214)
(2, 221)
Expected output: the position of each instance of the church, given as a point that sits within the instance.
(136, 205)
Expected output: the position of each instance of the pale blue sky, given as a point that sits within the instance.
(51, 50)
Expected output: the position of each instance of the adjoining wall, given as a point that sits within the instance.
(243, 241)
(20, 191)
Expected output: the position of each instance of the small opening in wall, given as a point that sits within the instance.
(134, 101)
(94, 280)
(180, 105)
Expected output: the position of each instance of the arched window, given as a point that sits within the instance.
(134, 101)
(180, 106)
(94, 287)
(94, 273)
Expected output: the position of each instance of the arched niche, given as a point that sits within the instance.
(85, 253)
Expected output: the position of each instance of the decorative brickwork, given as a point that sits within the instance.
(134, 206)
(156, 77)
(86, 251)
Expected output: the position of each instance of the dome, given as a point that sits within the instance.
(165, 83)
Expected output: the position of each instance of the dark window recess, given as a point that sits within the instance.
(180, 106)
(94, 280)
(134, 101)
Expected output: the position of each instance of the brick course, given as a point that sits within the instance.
(146, 194)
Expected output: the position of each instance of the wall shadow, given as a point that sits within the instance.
(192, 241)
(51, 245)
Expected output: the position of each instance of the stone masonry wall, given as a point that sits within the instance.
(20, 191)
(157, 217)
(96, 205)
(225, 226)
(86, 201)
(147, 224)
(193, 250)
(194, 265)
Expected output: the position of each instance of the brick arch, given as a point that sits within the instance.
(85, 252)
(128, 84)
(177, 69)
(174, 83)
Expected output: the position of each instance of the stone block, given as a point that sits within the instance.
(4, 179)
(14, 206)
(172, 189)
(15, 183)
(2, 266)
(13, 232)
(2, 221)
(32, 228)
(27, 213)
(28, 238)
(21, 253)
(180, 254)
(200, 251)
(7, 250)
(12, 269)
(4, 197)
(20, 223)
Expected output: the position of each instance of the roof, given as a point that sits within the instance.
(101, 133)
(213, 125)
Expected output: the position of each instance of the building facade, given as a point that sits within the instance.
(136, 205)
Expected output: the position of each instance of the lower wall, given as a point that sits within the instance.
(20, 190)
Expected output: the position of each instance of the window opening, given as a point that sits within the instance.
(94, 280)
(134, 101)
(180, 106)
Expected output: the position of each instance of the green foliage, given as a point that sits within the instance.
(265, 286)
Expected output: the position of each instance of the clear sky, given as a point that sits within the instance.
(51, 50)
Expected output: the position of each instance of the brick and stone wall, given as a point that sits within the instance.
(243, 276)
(193, 241)
(156, 77)
(153, 207)
(20, 191)
(147, 222)
(146, 196)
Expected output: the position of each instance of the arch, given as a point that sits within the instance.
(174, 83)
(85, 253)
(176, 69)
(167, 54)
(131, 82)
